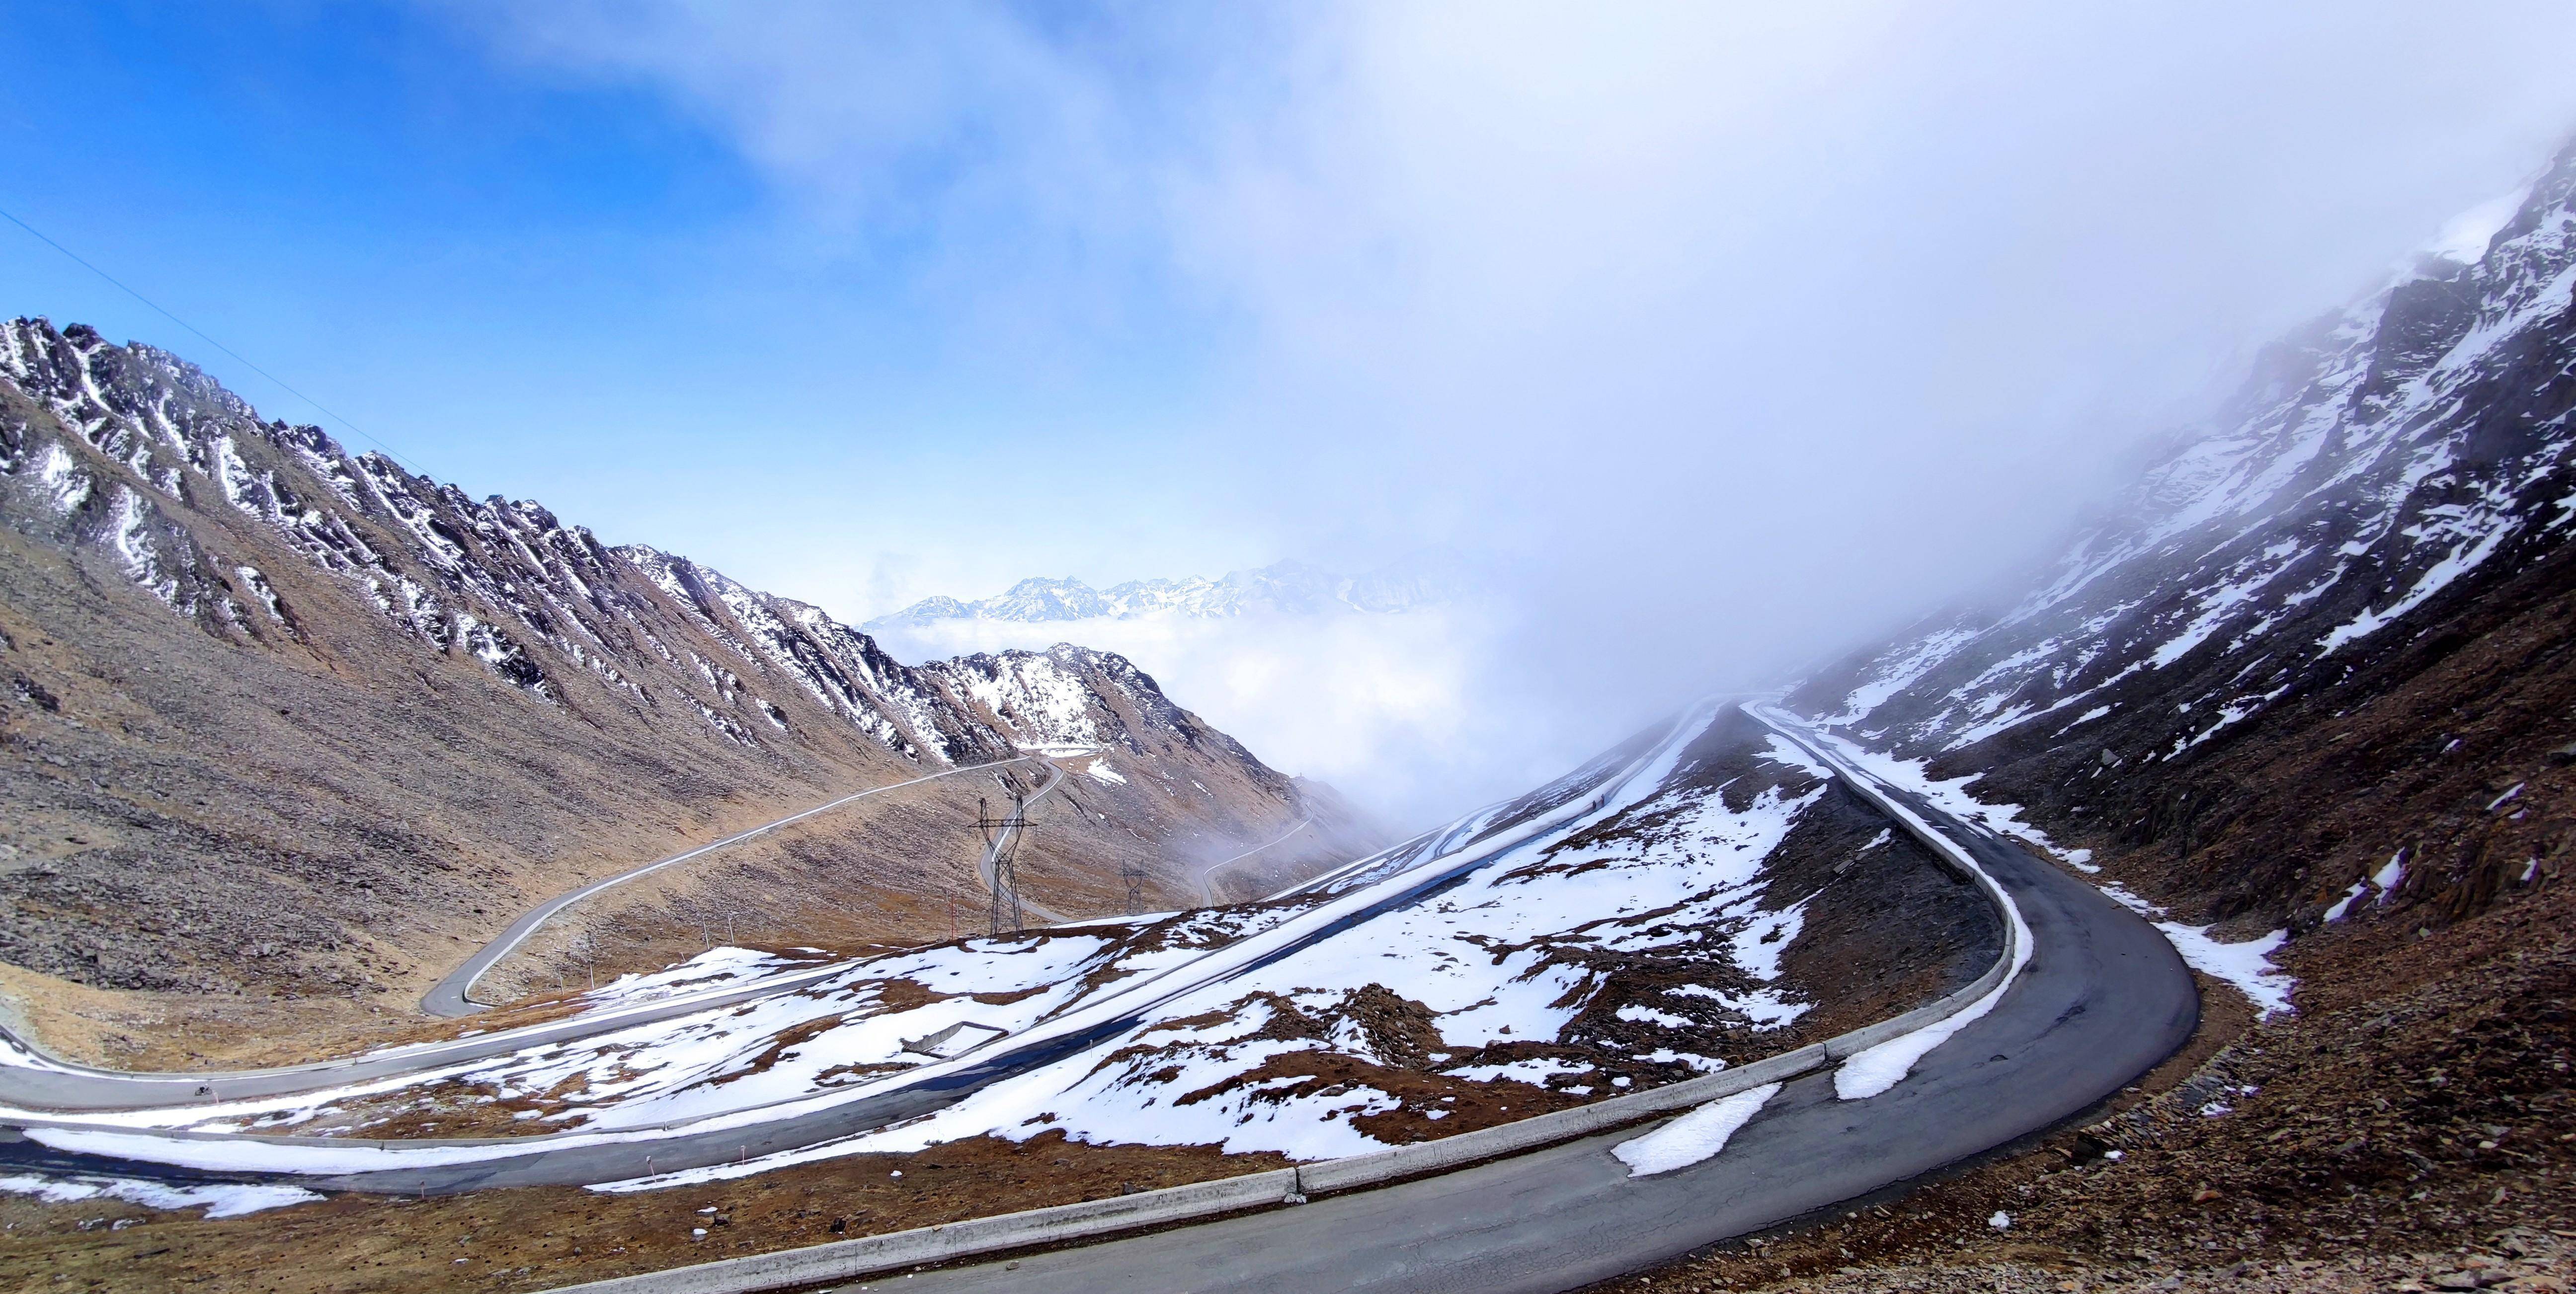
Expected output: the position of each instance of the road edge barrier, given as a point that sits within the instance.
(1035, 1228)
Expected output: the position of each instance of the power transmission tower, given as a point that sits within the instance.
(1001, 843)
(1134, 875)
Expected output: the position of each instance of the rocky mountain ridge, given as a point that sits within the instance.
(2390, 491)
(332, 721)
(2313, 684)
(505, 583)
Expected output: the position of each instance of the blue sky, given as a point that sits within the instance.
(552, 286)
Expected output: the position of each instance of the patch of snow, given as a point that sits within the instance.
(260, 588)
(1635, 1014)
(2464, 237)
(1694, 1137)
(133, 541)
(1099, 771)
(1535, 1071)
(65, 483)
(2462, 559)
(1765, 1008)
(218, 1199)
(2246, 966)
(2390, 874)
(1668, 1056)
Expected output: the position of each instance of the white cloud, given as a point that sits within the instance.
(1718, 334)
(1404, 713)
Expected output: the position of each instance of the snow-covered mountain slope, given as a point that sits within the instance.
(1723, 900)
(250, 673)
(1290, 588)
(2389, 486)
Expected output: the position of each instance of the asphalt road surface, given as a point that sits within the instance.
(1207, 875)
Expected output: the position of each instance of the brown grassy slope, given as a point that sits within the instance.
(2412, 1122)
(534, 1239)
(2270, 823)
(304, 820)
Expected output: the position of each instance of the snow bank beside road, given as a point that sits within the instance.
(2245, 966)
(1695, 1136)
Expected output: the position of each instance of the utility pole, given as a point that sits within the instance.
(1001, 842)
(1134, 874)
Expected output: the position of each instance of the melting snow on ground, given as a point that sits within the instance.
(2248, 966)
(218, 1199)
(1200, 1069)
(1695, 1136)
(1253, 1048)
(1950, 797)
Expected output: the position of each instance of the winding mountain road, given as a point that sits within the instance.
(2103, 999)
(33, 1079)
(1207, 875)
(452, 996)
(1002, 841)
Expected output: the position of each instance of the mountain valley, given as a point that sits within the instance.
(291, 730)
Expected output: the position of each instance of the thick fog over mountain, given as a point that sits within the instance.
(1716, 338)
(1712, 337)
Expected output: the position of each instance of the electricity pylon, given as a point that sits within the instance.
(1134, 875)
(1000, 848)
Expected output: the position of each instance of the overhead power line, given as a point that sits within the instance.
(77, 259)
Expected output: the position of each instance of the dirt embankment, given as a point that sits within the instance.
(2419, 1138)
(541, 1238)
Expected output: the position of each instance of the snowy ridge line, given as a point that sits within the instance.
(974, 1237)
(345, 1157)
(1207, 889)
(438, 1000)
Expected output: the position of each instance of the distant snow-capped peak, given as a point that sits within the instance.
(1289, 587)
